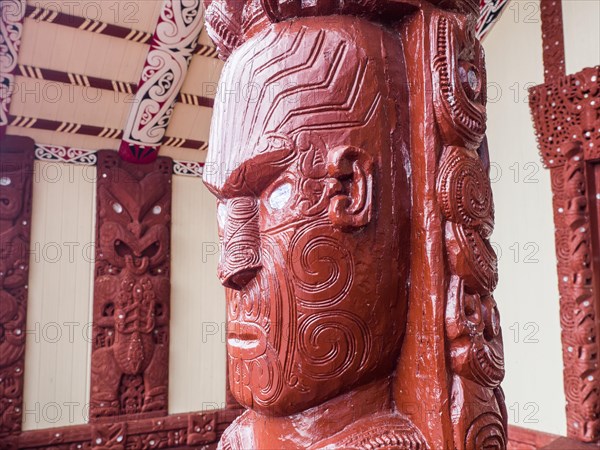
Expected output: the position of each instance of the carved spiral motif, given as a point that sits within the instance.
(266, 375)
(464, 191)
(333, 343)
(472, 258)
(324, 271)
(486, 432)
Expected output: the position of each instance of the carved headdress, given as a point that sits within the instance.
(448, 375)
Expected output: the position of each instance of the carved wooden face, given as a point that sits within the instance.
(308, 162)
(12, 186)
(135, 211)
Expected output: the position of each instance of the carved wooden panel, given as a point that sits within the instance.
(566, 116)
(16, 177)
(131, 289)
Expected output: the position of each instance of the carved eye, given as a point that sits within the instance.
(221, 213)
(280, 196)
(156, 210)
(118, 208)
(5, 181)
(469, 78)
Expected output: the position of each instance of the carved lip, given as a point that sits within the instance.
(245, 340)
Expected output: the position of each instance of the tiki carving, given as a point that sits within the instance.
(132, 288)
(465, 197)
(566, 116)
(354, 211)
(16, 170)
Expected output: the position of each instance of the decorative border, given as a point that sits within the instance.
(566, 117)
(190, 430)
(188, 168)
(12, 14)
(70, 155)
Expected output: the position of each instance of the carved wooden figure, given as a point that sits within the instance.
(132, 288)
(16, 175)
(349, 163)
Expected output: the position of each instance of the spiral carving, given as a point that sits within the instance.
(464, 190)
(334, 343)
(324, 271)
(486, 432)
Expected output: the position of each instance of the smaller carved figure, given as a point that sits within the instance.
(131, 296)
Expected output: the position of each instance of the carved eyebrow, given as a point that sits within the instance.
(256, 174)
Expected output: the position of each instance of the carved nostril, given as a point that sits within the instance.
(240, 279)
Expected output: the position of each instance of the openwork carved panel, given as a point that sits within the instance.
(566, 116)
(16, 176)
(131, 288)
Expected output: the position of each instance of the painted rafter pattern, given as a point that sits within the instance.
(124, 87)
(167, 62)
(93, 130)
(50, 15)
(12, 13)
(489, 13)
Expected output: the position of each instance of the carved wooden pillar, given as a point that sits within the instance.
(16, 176)
(566, 116)
(356, 162)
(130, 344)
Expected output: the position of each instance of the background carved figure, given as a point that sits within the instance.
(16, 175)
(131, 297)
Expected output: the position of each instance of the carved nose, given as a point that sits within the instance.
(239, 279)
(240, 257)
(136, 228)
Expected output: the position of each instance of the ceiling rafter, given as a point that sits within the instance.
(93, 130)
(123, 87)
(41, 14)
(12, 14)
(171, 50)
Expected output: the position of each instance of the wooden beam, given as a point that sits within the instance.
(166, 66)
(124, 87)
(93, 130)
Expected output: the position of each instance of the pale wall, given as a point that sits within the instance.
(527, 293)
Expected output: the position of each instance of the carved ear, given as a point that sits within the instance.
(352, 191)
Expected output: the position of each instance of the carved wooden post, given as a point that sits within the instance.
(349, 161)
(566, 116)
(16, 177)
(130, 344)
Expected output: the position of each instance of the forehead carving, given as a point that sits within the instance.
(296, 78)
